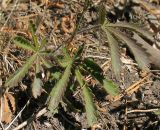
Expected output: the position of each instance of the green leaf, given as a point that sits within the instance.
(43, 43)
(107, 85)
(23, 43)
(56, 75)
(110, 87)
(157, 112)
(46, 62)
(93, 68)
(33, 28)
(59, 89)
(89, 105)
(115, 56)
(139, 54)
(134, 27)
(79, 52)
(64, 59)
(19, 74)
(102, 14)
(92, 65)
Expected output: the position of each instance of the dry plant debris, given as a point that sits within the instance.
(73, 81)
(7, 107)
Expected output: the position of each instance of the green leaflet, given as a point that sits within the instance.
(107, 85)
(133, 27)
(43, 43)
(23, 43)
(58, 90)
(89, 105)
(19, 74)
(33, 29)
(102, 14)
(92, 65)
(115, 56)
(45, 62)
(79, 52)
(157, 112)
(64, 59)
(110, 87)
(139, 54)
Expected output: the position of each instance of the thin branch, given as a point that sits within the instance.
(144, 111)
(17, 115)
(23, 124)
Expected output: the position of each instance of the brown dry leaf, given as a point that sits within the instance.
(44, 2)
(72, 48)
(67, 24)
(6, 113)
(133, 88)
(5, 107)
(55, 4)
(11, 99)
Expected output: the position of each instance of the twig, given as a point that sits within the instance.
(17, 115)
(9, 15)
(134, 86)
(40, 113)
(1, 115)
(138, 111)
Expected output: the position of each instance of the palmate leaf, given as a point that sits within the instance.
(139, 54)
(59, 89)
(23, 43)
(133, 27)
(19, 74)
(89, 105)
(109, 86)
(115, 56)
